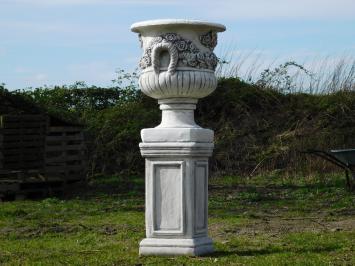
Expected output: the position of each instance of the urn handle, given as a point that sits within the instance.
(174, 56)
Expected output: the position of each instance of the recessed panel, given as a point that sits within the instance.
(200, 196)
(167, 197)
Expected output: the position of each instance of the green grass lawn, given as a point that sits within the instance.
(261, 221)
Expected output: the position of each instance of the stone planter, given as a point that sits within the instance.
(178, 66)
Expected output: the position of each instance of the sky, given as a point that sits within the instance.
(56, 42)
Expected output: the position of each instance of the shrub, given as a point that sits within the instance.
(257, 127)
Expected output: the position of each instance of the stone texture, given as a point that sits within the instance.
(164, 246)
(177, 69)
(177, 135)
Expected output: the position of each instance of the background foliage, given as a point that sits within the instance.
(259, 126)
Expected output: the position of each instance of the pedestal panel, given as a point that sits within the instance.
(200, 199)
(168, 194)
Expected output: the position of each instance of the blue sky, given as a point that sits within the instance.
(55, 42)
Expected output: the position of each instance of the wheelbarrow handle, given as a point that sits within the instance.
(329, 157)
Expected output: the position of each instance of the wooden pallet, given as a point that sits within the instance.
(22, 141)
(65, 153)
(15, 189)
(28, 143)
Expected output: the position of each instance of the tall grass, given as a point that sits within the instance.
(314, 75)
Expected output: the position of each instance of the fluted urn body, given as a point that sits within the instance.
(177, 69)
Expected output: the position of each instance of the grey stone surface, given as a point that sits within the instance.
(177, 135)
(177, 69)
(162, 246)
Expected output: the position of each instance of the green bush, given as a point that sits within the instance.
(256, 128)
(115, 134)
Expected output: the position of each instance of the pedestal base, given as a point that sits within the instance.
(189, 247)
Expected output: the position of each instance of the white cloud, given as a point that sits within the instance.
(58, 27)
(222, 9)
(32, 76)
(62, 33)
(261, 9)
(92, 72)
(22, 70)
(40, 77)
(53, 3)
(35, 79)
(35, 27)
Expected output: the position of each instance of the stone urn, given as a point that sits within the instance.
(177, 69)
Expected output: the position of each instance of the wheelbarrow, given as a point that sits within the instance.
(344, 159)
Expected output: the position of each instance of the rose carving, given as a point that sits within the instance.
(188, 53)
(181, 45)
(170, 37)
(209, 40)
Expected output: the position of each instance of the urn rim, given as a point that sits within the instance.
(143, 25)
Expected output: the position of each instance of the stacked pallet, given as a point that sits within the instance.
(1, 153)
(38, 159)
(64, 153)
(22, 139)
(22, 142)
(11, 189)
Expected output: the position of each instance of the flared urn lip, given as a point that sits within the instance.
(148, 24)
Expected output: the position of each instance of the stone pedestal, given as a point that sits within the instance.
(176, 198)
(177, 69)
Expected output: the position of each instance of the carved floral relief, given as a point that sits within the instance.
(188, 54)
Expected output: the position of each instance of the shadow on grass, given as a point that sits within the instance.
(220, 253)
(134, 186)
(274, 193)
(115, 186)
(269, 251)
(275, 187)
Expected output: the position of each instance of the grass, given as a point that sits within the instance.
(317, 75)
(265, 220)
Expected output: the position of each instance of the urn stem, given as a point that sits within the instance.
(178, 113)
